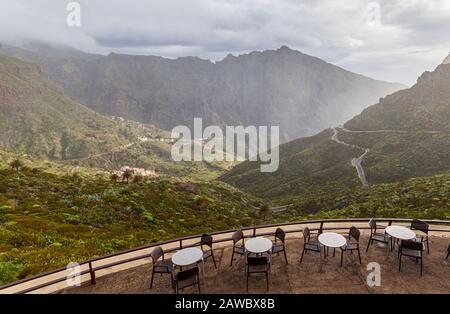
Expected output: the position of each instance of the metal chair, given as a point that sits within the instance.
(207, 240)
(187, 278)
(352, 243)
(163, 266)
(411, 249)
(308, 244)
(280, 247)
(255, 265)
(376, 236)
(238, 248)
(423, 227)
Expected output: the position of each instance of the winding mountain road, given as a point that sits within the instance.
(356, 162)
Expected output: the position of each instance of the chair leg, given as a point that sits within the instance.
(267, 280)
(359, 256)
(400, 263)
(214, 261)
(368, 244)
(303, 252)
(448, 254)
(421, 267)
(285, 256)
(248, 275)
(342, 256)
(334, 252)
(232, 256)
(428, 246)
(199, 292)
(151, 281)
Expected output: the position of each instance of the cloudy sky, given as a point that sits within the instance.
(394, 40)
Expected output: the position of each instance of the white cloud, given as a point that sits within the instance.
(387, 39)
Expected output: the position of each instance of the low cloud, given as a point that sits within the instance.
(392, 40)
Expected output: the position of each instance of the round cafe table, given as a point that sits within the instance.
(258, 245)
(188, 256)
(332, 240)
(400, 232)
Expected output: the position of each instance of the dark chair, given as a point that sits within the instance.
(163, 266)
(448, 254)
(257, 264)
(411, 249)
(423, 227)
(207, 240)
(308, 244)
(352, 243)
(279, 247)
(376, 236)
(187, 278)
(238, 248)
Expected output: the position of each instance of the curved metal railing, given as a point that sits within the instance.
(89, 270)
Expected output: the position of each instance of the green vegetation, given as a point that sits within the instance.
(47, 220)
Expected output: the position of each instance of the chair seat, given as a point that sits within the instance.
(420, 239)
(350, 246)
(411, 253)
(313, 246)
(277, 248)
(207, 254)
(239, 249)
(380, 237)
(165, 266)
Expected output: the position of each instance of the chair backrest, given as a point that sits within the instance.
(237, 236)
(280, 234)
(257, 260)
(411, 245)
(420, 225)
(354, 233)
(187, 274)
(156, 253)
(306, 234)
(373, 225)
(206, 239)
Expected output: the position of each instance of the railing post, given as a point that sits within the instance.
(92, 272)
(321, 227)
(254, 232)
(181, 244)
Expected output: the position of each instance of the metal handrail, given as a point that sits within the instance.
(92, 269)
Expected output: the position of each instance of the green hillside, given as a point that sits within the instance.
(37, 118)
(48, 220)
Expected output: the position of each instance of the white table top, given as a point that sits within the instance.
(258, 245)
(400, 232)
(187, 256)
(332, 239)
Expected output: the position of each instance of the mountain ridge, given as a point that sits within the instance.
(301, 93)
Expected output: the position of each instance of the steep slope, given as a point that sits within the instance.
(405, 135)
(36, 117)
(302, 94)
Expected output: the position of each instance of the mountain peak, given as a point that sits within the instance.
(446, 60)
(284, 48)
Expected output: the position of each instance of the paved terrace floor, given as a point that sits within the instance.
(296, 277)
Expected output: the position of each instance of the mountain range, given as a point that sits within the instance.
(300, 93)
